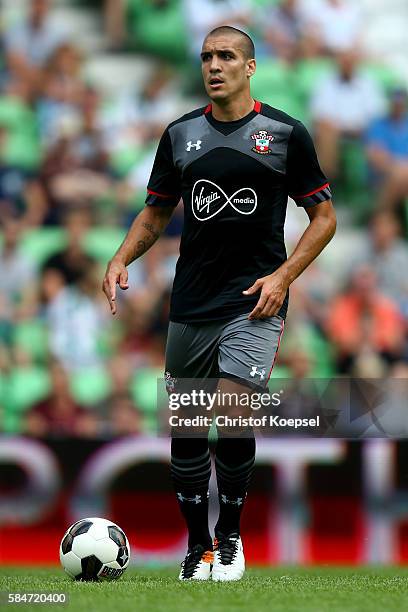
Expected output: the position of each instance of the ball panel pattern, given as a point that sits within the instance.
(80, 527)
(99, 530)
(122, 557)
(83, 545)
(71, 564)
(117, 535)
(66, 544)
(91, 566)
(105, 550)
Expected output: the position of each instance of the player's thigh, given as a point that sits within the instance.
(192, 350)
(248, 349)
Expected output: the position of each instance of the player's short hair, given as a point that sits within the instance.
(248, 46)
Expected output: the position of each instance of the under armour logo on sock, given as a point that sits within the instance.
(254, 371)
(196, 499)
(196, 145)
(238, 501)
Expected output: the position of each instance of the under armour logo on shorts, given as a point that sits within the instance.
(196, 145)
(254, 371)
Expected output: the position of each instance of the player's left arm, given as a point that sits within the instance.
(308, 187)
(274, 287)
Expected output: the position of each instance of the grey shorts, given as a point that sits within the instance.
(238, 348)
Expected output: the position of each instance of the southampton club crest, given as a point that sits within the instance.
(262, 142)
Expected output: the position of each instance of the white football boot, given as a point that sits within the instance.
(229, 560)
(197, 564)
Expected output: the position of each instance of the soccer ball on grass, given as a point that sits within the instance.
(94, 549)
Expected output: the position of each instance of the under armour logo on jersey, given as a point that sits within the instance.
(235, 502)
(196, 499)
(208, 199)
(254, 371)
(196, 145)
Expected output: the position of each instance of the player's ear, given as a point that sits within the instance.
(251, 67)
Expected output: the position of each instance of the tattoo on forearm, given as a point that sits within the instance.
(151, 229)
(143, 245)
(140, 248)
(146, 242)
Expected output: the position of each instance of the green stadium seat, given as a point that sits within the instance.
(308, 73)
(385, 76)
(320, 352)
(160, 30)
(274, 83)
(90, 385)
(26, 386)
(280, 371)
(353, 189)
(263, 4)
(123, 160)
(31, 337)
(144, 389)
(102, 242)
(22, 145)
(40, 243)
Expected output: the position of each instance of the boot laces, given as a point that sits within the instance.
(227, 546)
(191, 561)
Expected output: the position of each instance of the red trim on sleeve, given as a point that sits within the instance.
(257, 106)
(305, 195)
(207, 109)
(161, 195)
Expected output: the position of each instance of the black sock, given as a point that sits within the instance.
(190, 471)
(234, 462)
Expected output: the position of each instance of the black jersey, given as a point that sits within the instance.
(234, 178)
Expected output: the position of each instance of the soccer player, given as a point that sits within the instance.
(233, 162)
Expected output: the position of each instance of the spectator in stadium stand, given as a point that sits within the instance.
(387, 150)
(387, 253)
(30, 43)
(72, 259)
(59, 415)
(75, 320)
(362, 320)
(342, 107)
(336, 23)
(281, 28)
(76, 169)
(123, 417)
(114, 21)
(21, 193)
(204, 15)
(234, 162)
(18, 275)
(61, 93)
(138, 117)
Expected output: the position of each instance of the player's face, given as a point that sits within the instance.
(225, 69)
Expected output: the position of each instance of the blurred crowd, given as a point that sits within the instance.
(74, 164)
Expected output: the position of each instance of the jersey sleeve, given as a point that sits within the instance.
(307, 185)
(164, 186)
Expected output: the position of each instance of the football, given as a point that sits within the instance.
(94, 549)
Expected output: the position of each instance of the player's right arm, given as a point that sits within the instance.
(163, 195)
(143, 233)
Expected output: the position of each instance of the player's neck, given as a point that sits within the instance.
(232, 110)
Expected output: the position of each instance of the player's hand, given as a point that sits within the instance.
(273, 290)
(116, 274)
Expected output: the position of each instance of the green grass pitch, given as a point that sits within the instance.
(281, 589)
